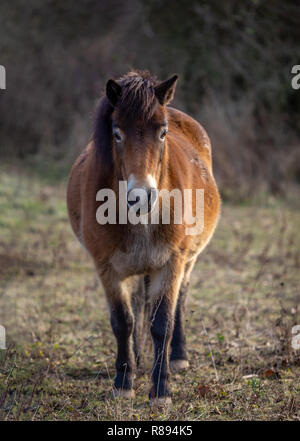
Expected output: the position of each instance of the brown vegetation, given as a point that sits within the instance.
(243, 302)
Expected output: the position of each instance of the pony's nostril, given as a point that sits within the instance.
(135, 201)
(142, 197)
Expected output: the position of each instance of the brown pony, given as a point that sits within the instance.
(139, 140)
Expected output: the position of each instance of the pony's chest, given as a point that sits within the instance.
(141, 255)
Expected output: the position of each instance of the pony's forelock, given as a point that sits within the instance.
(137, 101)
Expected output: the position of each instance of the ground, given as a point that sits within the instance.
(59, 362)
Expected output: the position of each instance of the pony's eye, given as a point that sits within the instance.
(117, 135)
(163, 134)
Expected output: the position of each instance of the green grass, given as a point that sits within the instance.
(59, 364)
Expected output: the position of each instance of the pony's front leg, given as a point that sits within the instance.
(178, 358)
(122, 322)
(164, 289)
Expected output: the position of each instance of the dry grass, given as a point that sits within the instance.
(59, 364)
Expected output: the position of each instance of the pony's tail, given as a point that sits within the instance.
(141, 309)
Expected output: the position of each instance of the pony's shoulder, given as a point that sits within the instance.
(178, 115)
(187, 124)
(184, 125)
(85, 156)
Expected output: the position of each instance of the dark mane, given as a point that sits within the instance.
(102, 132)
(136, 103)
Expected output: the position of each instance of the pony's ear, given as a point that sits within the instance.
(165, 91)
(113, 92)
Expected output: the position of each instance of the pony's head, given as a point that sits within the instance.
(139, 128)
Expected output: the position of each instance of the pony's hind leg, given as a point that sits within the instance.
(122, 322)
(140, 306)
(178, 358)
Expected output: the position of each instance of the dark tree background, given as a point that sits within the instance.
(234, 59)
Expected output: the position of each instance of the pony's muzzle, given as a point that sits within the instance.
(142, 200)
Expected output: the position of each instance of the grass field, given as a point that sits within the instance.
(59, 361)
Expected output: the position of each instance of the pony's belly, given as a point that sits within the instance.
(139, 259)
